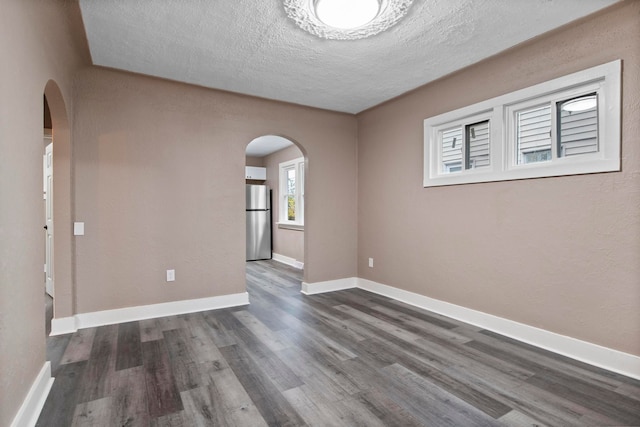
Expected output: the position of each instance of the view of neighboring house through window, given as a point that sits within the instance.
(452, 150)
(569, 125)
(466, 141)
(292, 192)
(477, 145)
(533, 135)
(576, 128)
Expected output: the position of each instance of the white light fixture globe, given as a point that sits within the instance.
(346, 19)
(347, 14)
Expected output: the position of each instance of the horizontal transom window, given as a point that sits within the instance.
(566, 126)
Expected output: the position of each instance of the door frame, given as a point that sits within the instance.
(48, 214)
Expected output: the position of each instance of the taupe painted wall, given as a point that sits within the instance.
(254, 161)
(36, 46)
(159, 170)
(286, 242)
(562, 254)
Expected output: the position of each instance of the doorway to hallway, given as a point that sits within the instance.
(47, 195)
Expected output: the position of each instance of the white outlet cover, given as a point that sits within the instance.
(171, 275)
(371, 262)
(78, 228)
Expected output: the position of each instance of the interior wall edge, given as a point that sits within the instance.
(36, 37)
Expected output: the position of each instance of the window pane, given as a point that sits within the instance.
(291, 188)
(477, 153)
(291, 194)
(452, 150)
(291, 208)
(533, 137)
(536, 156)
(291, 181)
(578, 126)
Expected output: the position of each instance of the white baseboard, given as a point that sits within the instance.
(287, 260)
(63, 325)
(109, 317)
(593, 354)
(32, 405)
(329, 286)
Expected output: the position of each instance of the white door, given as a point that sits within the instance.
(48, 195)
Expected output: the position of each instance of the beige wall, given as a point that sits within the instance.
(160, 184)
(562, 254)
(36, 46)
(286, 242)
(254, 161)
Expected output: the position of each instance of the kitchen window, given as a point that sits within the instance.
(566, 126)
(291, 186)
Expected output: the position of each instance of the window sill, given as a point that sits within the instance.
(559, 167)
(289, 226)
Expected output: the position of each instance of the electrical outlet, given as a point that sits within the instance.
(78, 228)
(171, 275)
(371, 262)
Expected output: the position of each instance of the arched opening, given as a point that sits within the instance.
(277, 167)
(57, 133)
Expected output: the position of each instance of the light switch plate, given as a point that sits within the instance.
(78, 228)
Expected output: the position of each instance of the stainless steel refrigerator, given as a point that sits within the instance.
(258, 222)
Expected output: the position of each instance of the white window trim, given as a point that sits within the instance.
(291, 226)
(603, 79)
(283, 221)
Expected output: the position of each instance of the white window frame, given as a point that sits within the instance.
(283, 220)
(604, 80)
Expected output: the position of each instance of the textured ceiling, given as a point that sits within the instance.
(251, 47)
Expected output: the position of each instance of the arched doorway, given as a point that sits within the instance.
(281, 165)
(62, 247)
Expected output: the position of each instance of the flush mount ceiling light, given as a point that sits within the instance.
(580, 104)
(346, 19)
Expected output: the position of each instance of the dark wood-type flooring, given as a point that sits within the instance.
(348, 358)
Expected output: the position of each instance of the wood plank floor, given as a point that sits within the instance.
(348, 358)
